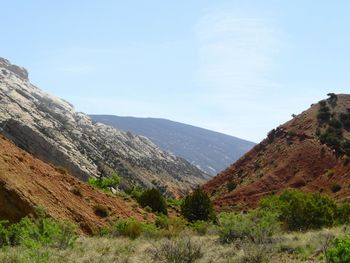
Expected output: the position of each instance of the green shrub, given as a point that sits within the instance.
(127, 227)
(77, 191)
(101, 210)
(162, 221)
(198, 206)
(345, 120)
(174, 202)
(105, 183)
(332, 100)
(150, 230)
(257, 226)
(154, 199)
(41, 232)
(324, 114)
(302, 211)
(135, 192)
(176, 225)
(343, 213)
(200, 227)
(4, 233)
(334, 123)
(339, 252)
(335, 187)
(332, 137)
(231, 185)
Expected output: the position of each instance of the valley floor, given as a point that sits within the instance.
(292, 247)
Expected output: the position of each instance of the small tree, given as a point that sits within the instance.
(154, 199)
(198, 206)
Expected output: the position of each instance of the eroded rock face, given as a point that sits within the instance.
(13, 69)
(49, 128)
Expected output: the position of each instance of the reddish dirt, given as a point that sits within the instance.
(295, 158)
(26, 182)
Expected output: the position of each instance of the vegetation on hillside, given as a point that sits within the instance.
(331, 126)
(105, 183)
(269, 233)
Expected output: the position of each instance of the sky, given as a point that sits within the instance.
(238, 67)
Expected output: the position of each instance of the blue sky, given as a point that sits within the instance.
(238, 67)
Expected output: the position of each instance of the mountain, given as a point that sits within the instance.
(310, 152)
(50, 129)
(26, 182)
(208, 150)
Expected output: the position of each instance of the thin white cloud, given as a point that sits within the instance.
(235, 53)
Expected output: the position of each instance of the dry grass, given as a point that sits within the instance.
(293, 247)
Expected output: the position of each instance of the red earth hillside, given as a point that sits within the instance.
(292, 156)
(26, 182)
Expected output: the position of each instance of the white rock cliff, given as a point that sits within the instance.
(49, 128)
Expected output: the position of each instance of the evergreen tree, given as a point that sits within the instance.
(198, 206)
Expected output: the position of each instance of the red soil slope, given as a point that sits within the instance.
(26, 182)
(294, 158)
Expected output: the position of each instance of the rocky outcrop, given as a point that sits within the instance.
(49, 128)
(13, 69)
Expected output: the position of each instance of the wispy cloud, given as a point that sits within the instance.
(236, 52)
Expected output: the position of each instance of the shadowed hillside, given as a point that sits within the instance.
(210, 151)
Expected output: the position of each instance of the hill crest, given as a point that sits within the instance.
(292, 156)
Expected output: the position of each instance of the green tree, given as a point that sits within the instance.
(197, 206)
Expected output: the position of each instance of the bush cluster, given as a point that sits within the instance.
(299, 211)
(257, 226)
(333, 135)
(324, 113)
(41, 232)
(105, 183)
(132, 228)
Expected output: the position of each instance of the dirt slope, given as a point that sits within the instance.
(292, 156)
(26, 182)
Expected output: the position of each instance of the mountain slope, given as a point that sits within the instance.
(210, 151)
(26, 183)
(298, 154)
(49, 128)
